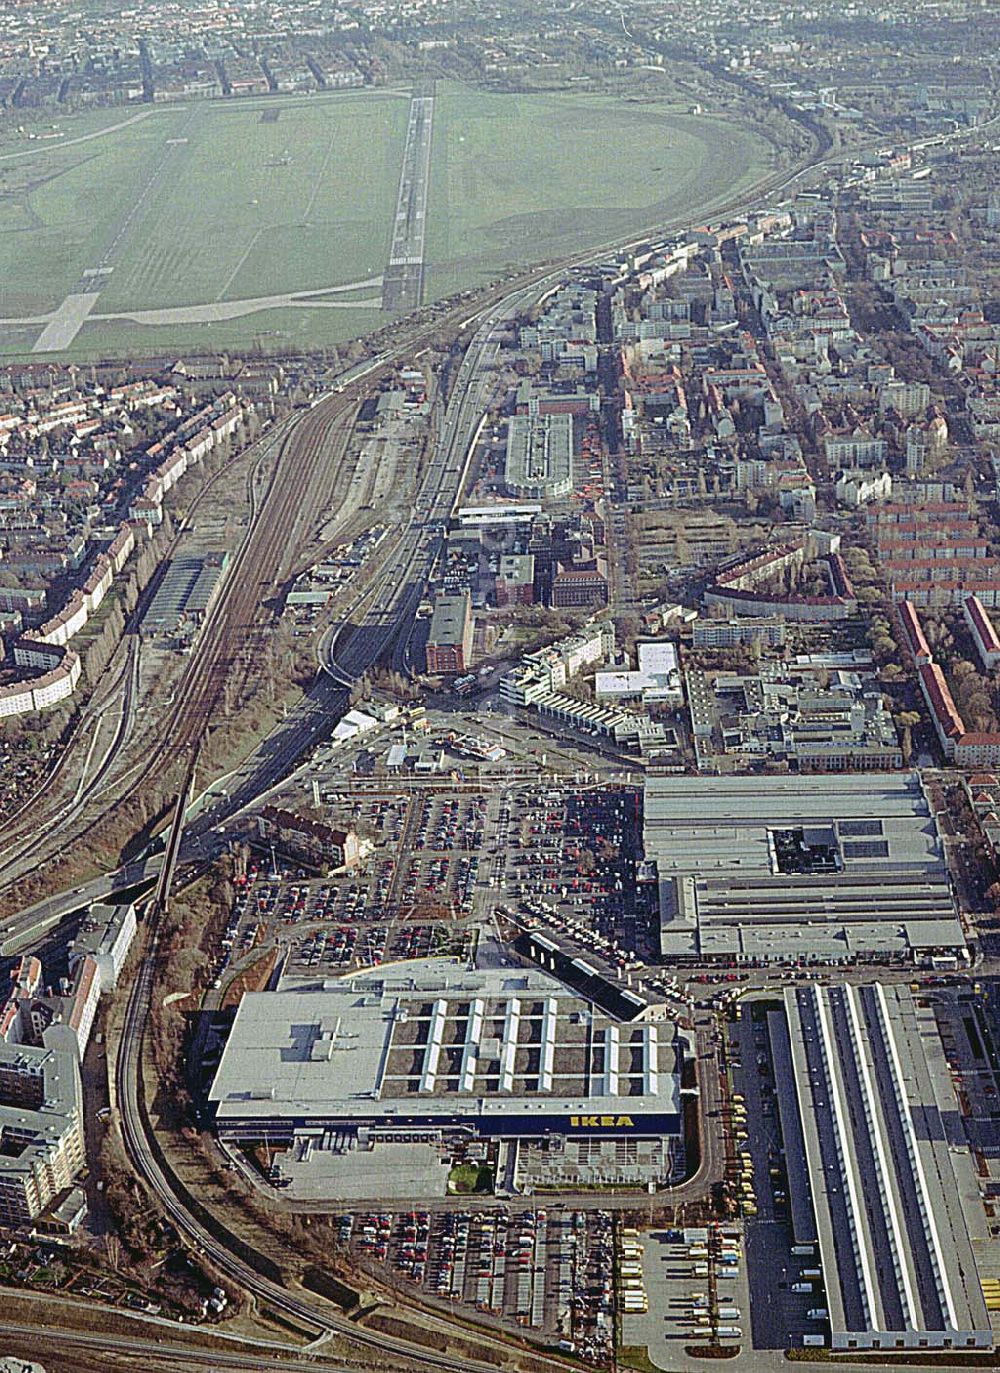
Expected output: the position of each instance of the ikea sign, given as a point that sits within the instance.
(602, 1122)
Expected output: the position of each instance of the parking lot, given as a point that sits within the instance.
(378, 911)
(566, 859)
(549, 1272)
(778, 1313)
(437, 860)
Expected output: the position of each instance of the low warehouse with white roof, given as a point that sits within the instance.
(436, 1047)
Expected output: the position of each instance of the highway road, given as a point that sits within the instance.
(390, 605)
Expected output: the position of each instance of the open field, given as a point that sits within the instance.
(518, 178)
(59, 202)
(238, 208)
(201, 226)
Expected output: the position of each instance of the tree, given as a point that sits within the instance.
(906, 720)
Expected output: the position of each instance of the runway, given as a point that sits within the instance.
(403, 286)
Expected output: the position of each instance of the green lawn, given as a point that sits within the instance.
(255, 209)
(59, 207)
(522, 177)
(208, 202)
(240, 207)
(466, 1178)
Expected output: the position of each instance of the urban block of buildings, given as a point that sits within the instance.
(933, 554)
(967, 748)
(536, 684)
(830, 722)
(752, 585)
(53, 667)
(62, 1016)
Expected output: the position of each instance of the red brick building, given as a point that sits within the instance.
(579, 587)
(449, 643)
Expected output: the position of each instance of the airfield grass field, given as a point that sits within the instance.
(519, 178)
(225, 201)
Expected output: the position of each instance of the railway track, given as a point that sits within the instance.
(203, 684)
(257, 566)
(259, 563)
(40, 829)
(204, 1236)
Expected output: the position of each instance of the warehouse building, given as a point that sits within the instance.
(826, 869)
(867, 1107)
(435, 1050)
(449, 640)
(539, 461)
(184, 596)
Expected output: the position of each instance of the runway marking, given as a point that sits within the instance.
(65, 322)
(239, 265)
(69, 318)
(404, 275)
(62, 325)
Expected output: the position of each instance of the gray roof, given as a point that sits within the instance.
(874, 1100)
(449, 620)
(539, 460)
(725, 894)
(438, 1039)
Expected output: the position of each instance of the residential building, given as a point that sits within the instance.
(766, 630)
(41, 1129)
(984, 635)
(309, 841)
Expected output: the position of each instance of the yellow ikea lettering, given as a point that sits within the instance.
(601, 1122)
